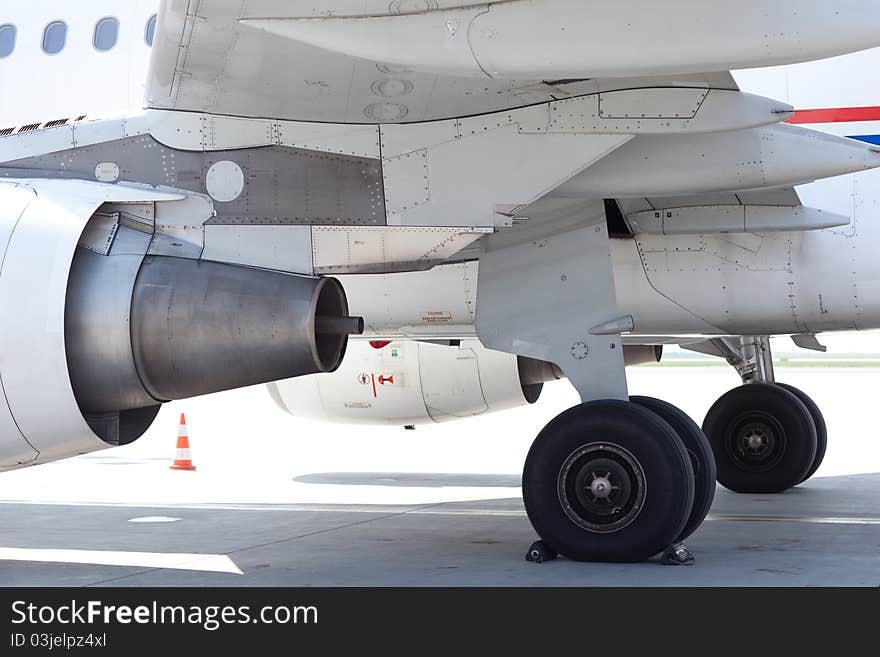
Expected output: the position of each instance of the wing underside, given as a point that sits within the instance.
(207, 57)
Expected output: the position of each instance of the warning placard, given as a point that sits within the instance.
(436, 317)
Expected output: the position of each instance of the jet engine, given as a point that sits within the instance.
(407, 382)
(98, 329)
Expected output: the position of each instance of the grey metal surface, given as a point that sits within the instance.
(542, 288)
(642, 354)
(97, 328)
(331, 325)
(142, 329)
(533, 374)
(100, 232)
(750, 356)
(757, 354)
(178, 241)
(123, 427)
(328, 303)
(201, 327)
(808, 341)
(282, 185)
(283, 248)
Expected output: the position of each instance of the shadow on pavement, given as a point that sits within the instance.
(411, 479)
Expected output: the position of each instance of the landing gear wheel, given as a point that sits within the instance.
(821, 429)
(763, 437)
(608, 481)
(700, 452)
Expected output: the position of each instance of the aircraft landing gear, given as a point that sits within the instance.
(700, 452)
(764, 439)
(612, 479)
(767, 437)
(821, 429)
(609, 480)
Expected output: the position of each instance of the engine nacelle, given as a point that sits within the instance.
(97, 331)
(405, 382)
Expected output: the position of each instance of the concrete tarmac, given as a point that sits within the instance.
(277, 501)
(826, 533)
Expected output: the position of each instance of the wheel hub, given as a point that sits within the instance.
(601, 487)
(756, 442)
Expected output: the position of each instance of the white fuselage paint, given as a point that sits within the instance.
(79, 80)
(688, 284)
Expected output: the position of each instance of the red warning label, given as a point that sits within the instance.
(381, 380)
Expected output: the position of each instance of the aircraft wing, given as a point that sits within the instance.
(217, 56)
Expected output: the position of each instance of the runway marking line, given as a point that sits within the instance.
(154, 519)
(214, 563)
(816, 520)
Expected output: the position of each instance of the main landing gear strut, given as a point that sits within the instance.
(616, 478)
(767, 437)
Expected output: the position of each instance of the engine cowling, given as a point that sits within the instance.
(405, 382)
(97, 332)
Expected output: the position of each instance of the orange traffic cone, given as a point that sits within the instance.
(183, 460)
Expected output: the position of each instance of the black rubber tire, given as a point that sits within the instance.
(665, 464)
(700, 452)
(821, 428)
(788, 421)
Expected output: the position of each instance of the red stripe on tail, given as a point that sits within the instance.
(836, 115)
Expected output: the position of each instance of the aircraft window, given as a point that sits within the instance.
(150, 32)
(106, 34)
(54, 37)
(7, 40)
